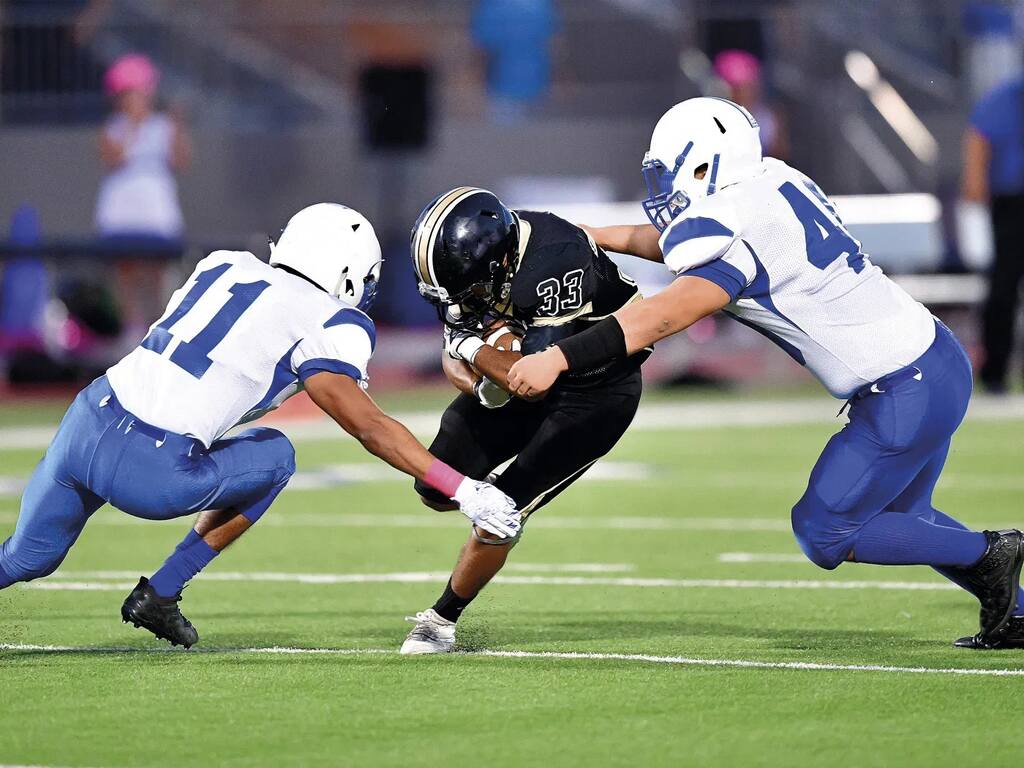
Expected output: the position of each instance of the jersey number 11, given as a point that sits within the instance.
(193, 356)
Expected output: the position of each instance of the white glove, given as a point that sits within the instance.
(490, 394)
(488, 508)
(462, 345)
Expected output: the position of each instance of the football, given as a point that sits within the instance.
(504, 337)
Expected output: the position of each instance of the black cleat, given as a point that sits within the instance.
(160, 615)
(1011, 636)
(994, 580)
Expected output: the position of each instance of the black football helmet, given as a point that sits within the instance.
(465, 248)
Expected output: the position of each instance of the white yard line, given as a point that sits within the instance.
(760, 557)
(341, 475)
(429, 519)
(569, 567)
(563, 655)
(119, 580)
(738, 412)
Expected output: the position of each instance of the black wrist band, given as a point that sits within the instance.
(598, 345)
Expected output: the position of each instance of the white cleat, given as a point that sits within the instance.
(432, 634)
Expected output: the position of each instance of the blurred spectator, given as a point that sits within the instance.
(137, 209)
(141, 148)
(741, 71)
(992, 50)
(24, 288)
(516, 37)
(993, 173)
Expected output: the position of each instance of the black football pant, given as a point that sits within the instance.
(554, 440)
(1000, 314)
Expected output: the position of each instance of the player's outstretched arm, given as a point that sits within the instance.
(341, 398)
(639, 240)
(626, 332)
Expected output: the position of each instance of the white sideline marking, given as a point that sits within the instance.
(651, 416)
(88, 580)
(757, 557)
(567, 655)
(441, 520)
(430, 519)
(570, 567)
(335, 475)
(341, 475)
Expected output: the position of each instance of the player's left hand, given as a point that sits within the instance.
(488, 508)
(533, 375)
(490, 394)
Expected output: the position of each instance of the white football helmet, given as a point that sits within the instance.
(336, 248)
(707, 134)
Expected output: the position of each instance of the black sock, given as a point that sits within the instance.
(449, 605)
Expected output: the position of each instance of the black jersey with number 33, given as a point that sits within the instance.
(563, 283)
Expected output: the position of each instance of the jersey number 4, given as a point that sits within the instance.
(193, 356)
(826, 239)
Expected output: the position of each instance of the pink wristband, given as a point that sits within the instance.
(443, 478)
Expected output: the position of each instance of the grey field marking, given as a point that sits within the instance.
(123, 580)
(575, 656)
(695, 415)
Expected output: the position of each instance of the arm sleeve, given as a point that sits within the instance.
(343, 345)
(733, 271)
(706, 231)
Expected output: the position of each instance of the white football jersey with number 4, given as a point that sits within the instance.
(237, 340)
(776, 245)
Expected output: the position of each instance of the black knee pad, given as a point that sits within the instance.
(430, 494)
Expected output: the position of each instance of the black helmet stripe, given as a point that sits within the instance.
(429, 230)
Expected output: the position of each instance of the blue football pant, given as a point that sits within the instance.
(890, 455)
(101, 454)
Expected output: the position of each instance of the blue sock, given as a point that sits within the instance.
(901, 538)
(184, 563)
(188, 541)
(941, 518)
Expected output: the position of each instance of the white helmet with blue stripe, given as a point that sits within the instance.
(334, 247)
(699, 146)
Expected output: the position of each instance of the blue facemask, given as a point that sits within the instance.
(662, 204)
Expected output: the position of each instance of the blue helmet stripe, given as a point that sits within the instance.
(713, 181)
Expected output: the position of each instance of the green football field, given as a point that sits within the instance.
(656, 614)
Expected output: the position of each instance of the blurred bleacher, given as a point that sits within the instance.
(272, 91)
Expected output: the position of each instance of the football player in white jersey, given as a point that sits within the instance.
(237, 339)
(759, 240)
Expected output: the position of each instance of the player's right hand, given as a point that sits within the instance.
(488, 508)
(462, 345)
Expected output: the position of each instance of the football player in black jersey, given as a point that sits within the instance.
(490, 270)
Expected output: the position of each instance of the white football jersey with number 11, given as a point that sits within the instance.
(236, 340)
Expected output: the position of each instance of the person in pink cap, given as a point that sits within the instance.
(741, 72)
(141, 148)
